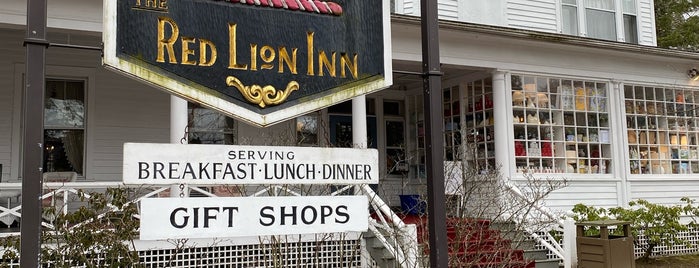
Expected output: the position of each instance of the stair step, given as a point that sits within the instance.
(548, 263)
(536, 254)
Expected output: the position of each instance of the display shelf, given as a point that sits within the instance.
(560, 126)
(662, 130)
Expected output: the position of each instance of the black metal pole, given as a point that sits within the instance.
(439, 256)
(30, 228)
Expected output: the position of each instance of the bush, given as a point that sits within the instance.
(659, 224)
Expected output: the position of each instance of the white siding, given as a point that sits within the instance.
(538, 15)
(646, 23)
(118, 109)
(666, 191)
(591, 193)
(448, 9)
(125, 111)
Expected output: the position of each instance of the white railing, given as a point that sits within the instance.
(400, 240)
(545, 238)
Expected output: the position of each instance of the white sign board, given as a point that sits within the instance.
(199, 164)
(205, 217)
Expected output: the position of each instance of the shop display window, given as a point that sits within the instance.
(560, 125)
(662, 130)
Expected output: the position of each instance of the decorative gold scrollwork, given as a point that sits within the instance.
(262, 96)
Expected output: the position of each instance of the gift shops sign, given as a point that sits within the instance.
(175, 218)
(261, 61)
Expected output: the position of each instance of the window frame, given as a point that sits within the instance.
(60, 72)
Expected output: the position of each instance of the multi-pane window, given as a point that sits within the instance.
(209, 127)
(662, 129)
(64, 125)
(560, 125)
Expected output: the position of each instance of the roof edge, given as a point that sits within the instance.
(550, 37)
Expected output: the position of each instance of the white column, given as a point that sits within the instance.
(178, 124)
(570, 252)
(501, 110)
(617, 126)
(359, 127)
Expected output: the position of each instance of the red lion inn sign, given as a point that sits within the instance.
(261, 61)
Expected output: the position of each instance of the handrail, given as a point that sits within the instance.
(549, 242)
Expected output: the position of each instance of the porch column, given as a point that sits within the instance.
(178, 125)
(502, 121)
(359, 137)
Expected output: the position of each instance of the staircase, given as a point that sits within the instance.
(480, 243)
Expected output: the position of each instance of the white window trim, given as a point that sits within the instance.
(68, 72)
(582, 18)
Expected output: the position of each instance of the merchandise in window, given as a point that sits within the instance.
(662, 130)
(64, 125)
(479, 126)
(560, 125)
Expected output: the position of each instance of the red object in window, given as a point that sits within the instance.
(546, 149)
(519, 149)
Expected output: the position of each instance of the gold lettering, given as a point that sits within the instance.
(203, 61)
(284, 57)
(253, 57)
(138, 2)
(167, 43)
(267, 55)
(232, 56)
(309, 42)
(163, 4)
(329, 65)
(351, 65)
(151, 3)
(186, 52)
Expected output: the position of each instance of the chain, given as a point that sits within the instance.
(185, 138)
(182, 190)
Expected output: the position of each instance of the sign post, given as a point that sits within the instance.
(35, 41)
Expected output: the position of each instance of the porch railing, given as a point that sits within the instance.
(398, 238)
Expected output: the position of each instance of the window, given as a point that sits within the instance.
(394, 117)
(662, 130)
(64, 125)
(209, 127)
(307, 130)
(569, 17)
(599, 19)
(560, 125)
(340, 124)
(630, 26)
(599, 15)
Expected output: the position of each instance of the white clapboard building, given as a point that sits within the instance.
(568, 89)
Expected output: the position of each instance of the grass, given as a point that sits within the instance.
(684, 261)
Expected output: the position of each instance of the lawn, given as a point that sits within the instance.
(684, 261)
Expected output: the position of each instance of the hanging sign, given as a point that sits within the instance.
(261, 61)
(202, 164)
(205, 217)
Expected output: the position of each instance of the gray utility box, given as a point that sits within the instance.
(605, 250)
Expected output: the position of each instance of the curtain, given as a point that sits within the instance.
(73, 145)
(600, 24)
(600, 4)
